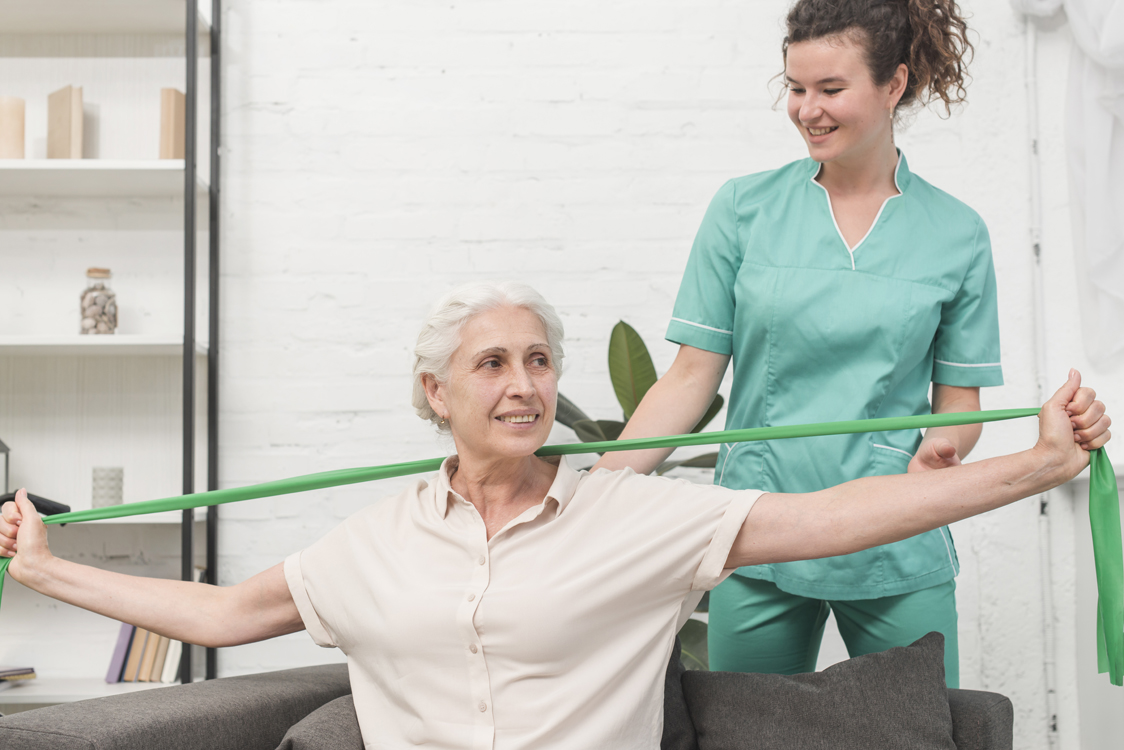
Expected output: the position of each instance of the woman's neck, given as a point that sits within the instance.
(501, 489)
(870, 174)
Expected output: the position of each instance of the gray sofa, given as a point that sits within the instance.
(892, 700)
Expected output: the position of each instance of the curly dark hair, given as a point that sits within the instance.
(928, 36)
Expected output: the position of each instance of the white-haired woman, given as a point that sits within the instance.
(512, 602)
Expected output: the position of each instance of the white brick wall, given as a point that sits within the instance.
(377, 154)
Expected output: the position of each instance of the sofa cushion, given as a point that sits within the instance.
(333, 726)
(981, 720)
(892, 699)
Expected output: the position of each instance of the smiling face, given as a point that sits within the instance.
(502, 387)
(843, 116)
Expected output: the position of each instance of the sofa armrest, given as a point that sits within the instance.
(981, 720)
(234, 713)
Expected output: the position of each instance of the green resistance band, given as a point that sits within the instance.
(1104, 510)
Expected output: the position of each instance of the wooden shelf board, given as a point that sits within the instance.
(101, 17)
(45, 690)
(115, 344)
(93, 177)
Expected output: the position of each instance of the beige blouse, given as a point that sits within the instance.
(553, 634)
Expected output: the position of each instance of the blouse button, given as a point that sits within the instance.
(481, 560)
(472, 648)
(471, 597)
(483, 706)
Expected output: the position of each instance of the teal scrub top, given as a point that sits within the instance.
(820, 333)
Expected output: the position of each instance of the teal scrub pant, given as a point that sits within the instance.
(756, 627)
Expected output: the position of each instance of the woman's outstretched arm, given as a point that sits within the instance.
(254, 610)
(871, 511)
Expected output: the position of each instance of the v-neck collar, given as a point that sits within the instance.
(901, 182)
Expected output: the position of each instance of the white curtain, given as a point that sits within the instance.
(1095, 148)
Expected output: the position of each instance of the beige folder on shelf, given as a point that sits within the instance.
(173, 116)
(64, 123)
(136, 652)
(11, 127)
(157, 670)
(144, 674)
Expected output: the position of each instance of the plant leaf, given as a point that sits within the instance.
(630, 367)
(693, 640)
(711, 412)
(705, 461)
(567, 412)
(588, 431)
(610, 428)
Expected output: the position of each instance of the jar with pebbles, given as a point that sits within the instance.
(98, 303)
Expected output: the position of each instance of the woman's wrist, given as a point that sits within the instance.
(1053, 467)
(35, 571)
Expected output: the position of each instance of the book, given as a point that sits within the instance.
(64, 123)
(136, 652)
(12, 674)
(149, 658)
(173, 117)
(11, 127)
(157, 672)
(172, 662)
(120, 651)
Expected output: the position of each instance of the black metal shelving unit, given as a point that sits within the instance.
(191, 156)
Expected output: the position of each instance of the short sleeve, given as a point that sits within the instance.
(966, 348)
(712, 570)
(294, 577)
(703, 316)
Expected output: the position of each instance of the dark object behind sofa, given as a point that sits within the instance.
(311, 709)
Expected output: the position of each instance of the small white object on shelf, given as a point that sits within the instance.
(117, 344)
(93, 177)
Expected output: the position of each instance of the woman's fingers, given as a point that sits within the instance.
(1086, 414)
(1097, 435)
(1082, 400)
(10, 517)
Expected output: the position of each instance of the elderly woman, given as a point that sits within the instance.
(511, 601)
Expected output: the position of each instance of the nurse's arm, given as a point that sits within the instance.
(673, 406)
(947, 446)
(878, 510)
(260, 607)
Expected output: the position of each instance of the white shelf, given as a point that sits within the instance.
(48, 690)
(114, 344)
(100, 17)
(130, 178)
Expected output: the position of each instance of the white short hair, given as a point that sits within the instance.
(441, 333)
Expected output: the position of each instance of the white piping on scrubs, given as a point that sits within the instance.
(958, 364)
(700, 325)
(892, 448)
(873, 224)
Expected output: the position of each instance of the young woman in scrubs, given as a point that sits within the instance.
(841, 285)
